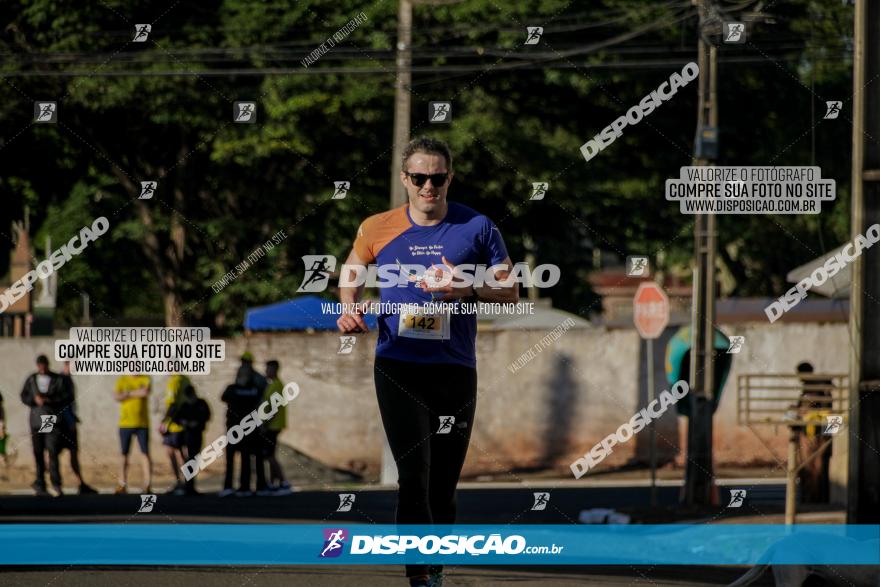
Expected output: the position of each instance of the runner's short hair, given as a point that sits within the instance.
(43, 360)
(429, 146)
(272, 363)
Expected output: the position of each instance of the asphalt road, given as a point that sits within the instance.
(368, 576)
(494, 505)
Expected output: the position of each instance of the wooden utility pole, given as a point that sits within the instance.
(402, 98)
(698, 481)
(863, 483)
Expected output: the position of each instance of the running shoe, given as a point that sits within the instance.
(283, 489)
(85, 489)
(244, 493)
(226, 492)
(120, 490)
(39, 489)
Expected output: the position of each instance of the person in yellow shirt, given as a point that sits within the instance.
(131, 392)
(171, 431)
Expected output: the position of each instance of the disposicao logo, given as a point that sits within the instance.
(334, 541)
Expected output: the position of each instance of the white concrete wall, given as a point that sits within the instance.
(550, 411)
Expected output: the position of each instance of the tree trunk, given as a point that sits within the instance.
(174, 312)
(166, 261)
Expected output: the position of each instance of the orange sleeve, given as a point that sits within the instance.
(377, 231)
(363, 242)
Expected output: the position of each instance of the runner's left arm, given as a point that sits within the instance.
(505, 289)
(501, 284)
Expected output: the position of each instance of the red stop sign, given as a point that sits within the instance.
(650, 310)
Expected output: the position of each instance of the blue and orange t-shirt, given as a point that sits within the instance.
(463, 237)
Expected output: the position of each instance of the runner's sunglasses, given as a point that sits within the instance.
(419, 179)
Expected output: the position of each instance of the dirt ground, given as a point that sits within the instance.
(17, 474)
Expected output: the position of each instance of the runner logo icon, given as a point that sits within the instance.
(346, 345)
(736, 344)
(334, 540)
(148, 188)
(446, 423)
(541, 501)
(833, 424)
(737, 496)
(539, 190)
(47, 424)
(440, 112)
(244, 112)
(341, 190)
(534, 34)
(148, 500)
(636, 266)
(734, 32)
(832, 109)
(141, 32)
(45, 112)
(318, 270)
(346, 501)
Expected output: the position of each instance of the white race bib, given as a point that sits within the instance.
(417, 323)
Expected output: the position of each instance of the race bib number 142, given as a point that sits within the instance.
(423, 325)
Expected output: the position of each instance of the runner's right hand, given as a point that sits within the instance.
(353, 322)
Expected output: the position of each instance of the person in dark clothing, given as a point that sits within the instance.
(241, 398)
(814, 404)
(3, 439)
(68, 420)
(192, 415)
(44, 392)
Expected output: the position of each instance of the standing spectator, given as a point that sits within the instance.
(134, 420)
(172, 431)
(193, 417)
(43, 392)
(277, 483)
(247, 361)
(3, 439)
(814, 405)
(241, 398)
(69, 420)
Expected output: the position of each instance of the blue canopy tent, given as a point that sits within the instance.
(300, 313)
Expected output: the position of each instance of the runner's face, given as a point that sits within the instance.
(428, 198)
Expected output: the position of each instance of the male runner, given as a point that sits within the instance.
(425, 369)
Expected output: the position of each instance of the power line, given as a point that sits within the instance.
(344, 53)
(545, 59)
(639, 64)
